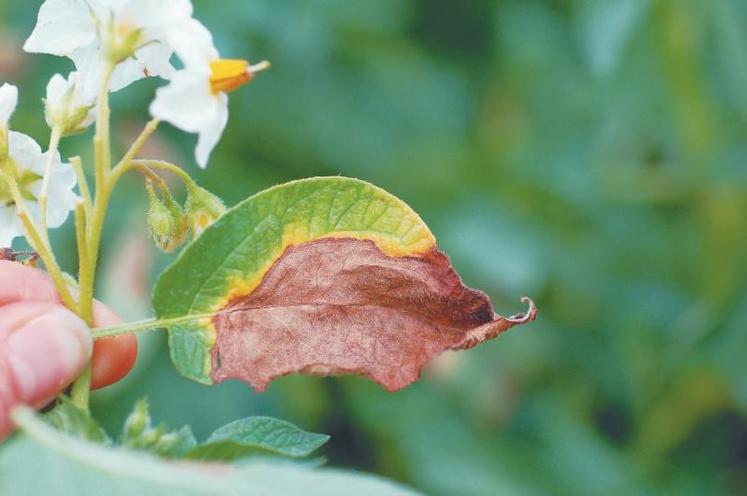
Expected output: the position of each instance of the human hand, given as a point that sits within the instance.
(44, 346)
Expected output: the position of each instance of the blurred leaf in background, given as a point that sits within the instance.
(590, 153)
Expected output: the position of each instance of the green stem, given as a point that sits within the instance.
(147, 325)
(127, 161)
(54, 143)
(167, 166)
(85, 192)
(37, 242)
(88, 261)
(80, 393)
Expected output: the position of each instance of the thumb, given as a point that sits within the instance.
(43, 348)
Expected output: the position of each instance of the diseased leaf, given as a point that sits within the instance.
(70, 419)
(257, 436)
(46, 461)
(322, 276)
(139, 434)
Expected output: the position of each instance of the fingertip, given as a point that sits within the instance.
(46, 354)
(113, 358)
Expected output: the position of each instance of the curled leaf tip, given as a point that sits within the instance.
(498, 325)
(524, 317)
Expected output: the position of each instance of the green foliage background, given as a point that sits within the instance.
(589, 153)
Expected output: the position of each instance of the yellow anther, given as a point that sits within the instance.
(231, 74)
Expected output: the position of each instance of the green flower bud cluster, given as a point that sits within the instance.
(167, 221)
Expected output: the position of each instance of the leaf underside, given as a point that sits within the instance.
(325, 276)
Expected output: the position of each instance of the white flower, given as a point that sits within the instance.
(27, 164)
(196, 99)
(8, 102)
(67, 107)
(129, 32)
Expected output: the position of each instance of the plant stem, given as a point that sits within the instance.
(37, 242)
(147, 325)
(54, 143)
(80, 393)
(129, 157)
(83, 262)
(167, 166)
(94, 225)
(85, 192)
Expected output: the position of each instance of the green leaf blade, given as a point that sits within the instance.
(257, 436)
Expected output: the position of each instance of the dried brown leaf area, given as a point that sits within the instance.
(342, 306)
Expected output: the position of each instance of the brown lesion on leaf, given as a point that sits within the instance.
(341, 306)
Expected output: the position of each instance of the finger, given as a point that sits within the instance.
(21, 283)
(40, 356)
(113, 358)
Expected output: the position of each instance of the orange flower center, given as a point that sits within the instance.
(229, 75)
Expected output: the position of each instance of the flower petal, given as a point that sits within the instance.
(10, 226)
(156, 59)
(210, 135)
(156, 13)
(193, 43)
(25, 152)
(62, 199)
(8, 103)
(56, 89)
(187, 102)
(62, 27)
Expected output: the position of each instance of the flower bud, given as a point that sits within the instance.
(65, 107)
(203, 208)
(161, 222)
(181, 223)
(166, 220)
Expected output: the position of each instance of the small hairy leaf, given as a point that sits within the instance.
(46, 461)
(70, 419)
(257, 436)
(139, 434)
(322, 276)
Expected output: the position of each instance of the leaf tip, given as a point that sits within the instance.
(500, 324)
(524, 317)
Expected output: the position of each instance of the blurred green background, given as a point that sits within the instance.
(590, 154)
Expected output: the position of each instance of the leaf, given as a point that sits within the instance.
(257, 435)
(70, 419)
(64, 465)
(138, 433)
(322, 276)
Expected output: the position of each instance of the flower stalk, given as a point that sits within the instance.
(89, 247)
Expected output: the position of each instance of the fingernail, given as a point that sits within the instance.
(47, 353)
